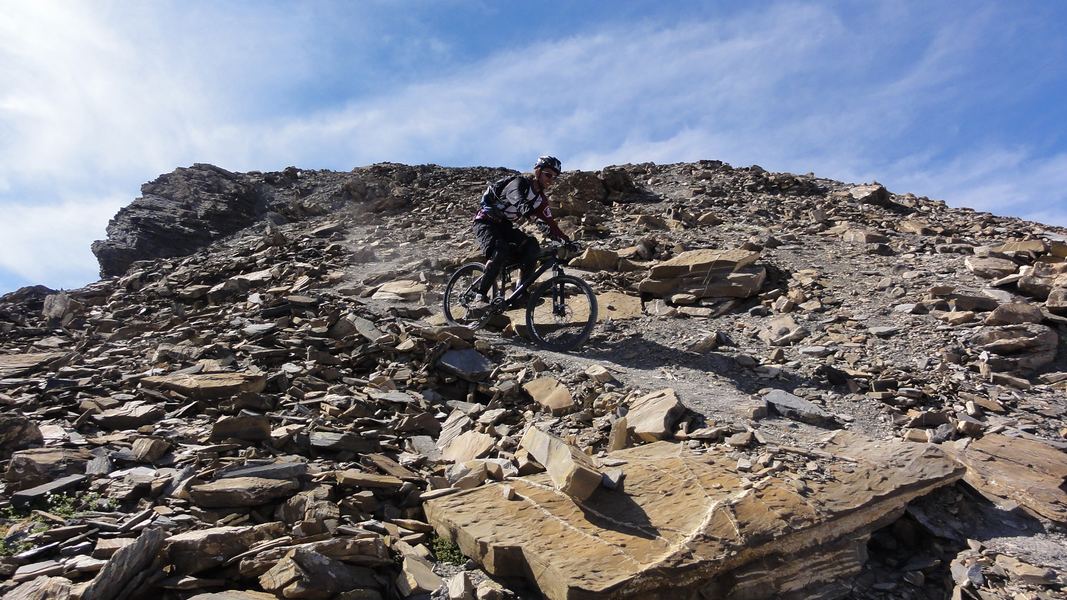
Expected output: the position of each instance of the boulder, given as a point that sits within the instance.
(596, 259)
(870, 193)
(17, 433)
(468, 364)
(686, 523)
(1057, 301)
(468, 446)
(209, 386)
(1023, 247)
(126, 565)
(305, 573)
(202, 549)
(652, 417)
(571, 470)
(577, 193)
(38, 466)
(1014, 314)
(251, 428)
(1039, 280)
(990, 267)
(177, 214)
(402, 289)
(241, 491)
(550, 394)
(702, 262)
(1026, 471)
(1024, 347)
(799, 409)
(14, 365)
(130, 415)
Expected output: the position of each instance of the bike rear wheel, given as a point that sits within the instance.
(460, 296)
(561, 313)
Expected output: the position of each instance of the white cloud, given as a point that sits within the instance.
(104, 96)
(50, 243)
(1001, 181)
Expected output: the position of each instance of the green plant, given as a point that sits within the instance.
(62, 505)
(446, 551)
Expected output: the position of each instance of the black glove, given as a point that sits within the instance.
(570, 246)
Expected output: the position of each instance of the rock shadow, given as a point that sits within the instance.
(639, 352)
(616, 510)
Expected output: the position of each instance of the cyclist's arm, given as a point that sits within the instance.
(547, 223)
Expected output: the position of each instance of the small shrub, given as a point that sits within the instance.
(446, 551)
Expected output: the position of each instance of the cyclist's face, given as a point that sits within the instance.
(546, 177)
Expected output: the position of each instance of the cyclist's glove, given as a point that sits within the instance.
(571, 246)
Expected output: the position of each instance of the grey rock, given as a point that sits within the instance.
(468, 364)
(799, 409)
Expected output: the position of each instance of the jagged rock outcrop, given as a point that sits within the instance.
(179, 213)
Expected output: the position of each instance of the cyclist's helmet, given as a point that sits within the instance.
(550, 162)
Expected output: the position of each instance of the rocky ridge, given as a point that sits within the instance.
(262, 400)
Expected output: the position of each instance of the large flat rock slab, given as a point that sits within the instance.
(207, 386)
(12, 365)
(681, 522)
(1025, 471)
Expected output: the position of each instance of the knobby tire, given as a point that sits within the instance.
(458, 296)
(567, 329)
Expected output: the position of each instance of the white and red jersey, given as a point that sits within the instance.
(518, 200)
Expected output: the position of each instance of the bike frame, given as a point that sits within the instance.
(552, 262)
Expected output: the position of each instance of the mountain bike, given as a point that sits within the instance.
(560, 311)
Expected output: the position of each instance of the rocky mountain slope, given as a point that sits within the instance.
(798, 388)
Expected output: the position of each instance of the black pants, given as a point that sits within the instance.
(504, 245)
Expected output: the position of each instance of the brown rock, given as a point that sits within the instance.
(551, 395)
(352, 478)
(990, 267)
(864, 236)
(617, 306)
(252, 428)
(14, 365)
(241, 491)
(1025, 346)
(417, 577)
(42, 588)
(1015, 313)
(1024, 470)
(571, 470)
(305, 573)
(619, 437)
(468, 446)
(1057, 301)
(652, 416)
(743, 282)
(38, 466)
(17, 433)
(201, 549)
(149, 449)
(596, 259)
(125, 566)
(668, 536)
(208, 386)
(1024, 246)
(130, 415)
(234, 595)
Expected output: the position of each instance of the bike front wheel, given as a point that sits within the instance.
(460, 294)
(561, 313)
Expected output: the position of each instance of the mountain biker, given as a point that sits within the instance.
(508, 202)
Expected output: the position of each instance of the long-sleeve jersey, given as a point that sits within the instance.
(518, 201)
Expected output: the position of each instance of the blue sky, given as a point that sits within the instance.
(961, 101)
